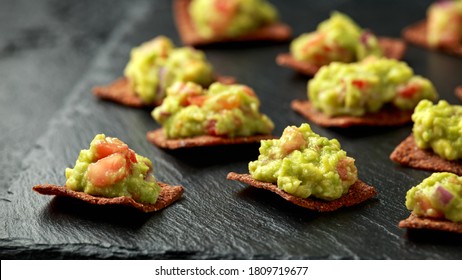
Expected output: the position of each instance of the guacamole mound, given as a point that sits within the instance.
(222, 110)
(157, 64)
(439, 127)
(438, 196)
(338, 38)
(305, 164)
(230, 18)
(110, 169)
(357, 88)
(444, 23)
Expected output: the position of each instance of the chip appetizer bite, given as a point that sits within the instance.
(340, 39)
(201, 22)
(436, 140)
(192, 116)
(308, 170)
(373, 92)
(436, 203)
(154, 66)
(441, 30)
(109, 172)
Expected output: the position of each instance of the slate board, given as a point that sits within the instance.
(54, 52)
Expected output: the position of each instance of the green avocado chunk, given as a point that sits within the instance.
(305, 164)
(438, 196)
(109, 168)
(157, 64)
(222, 110)
(357, 88)
(230, 18)
(338, 38)
(439, 127)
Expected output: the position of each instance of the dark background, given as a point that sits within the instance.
(53, 52)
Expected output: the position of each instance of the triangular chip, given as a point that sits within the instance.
(392, 48)
(357, 193)
(121, 92)
(388, 116)
(273, 32)
(417, 34)
(416, 222)
(157, 137)
(167, 196)
(458, 92)
(407, 153)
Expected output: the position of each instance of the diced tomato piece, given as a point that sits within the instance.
(229, 103)
(409, 90)
(196, 100)
(360, 84)
(249, 91)
(342, 168)
(110, 146)
(294, 141)
(108, 171)
(225, 6)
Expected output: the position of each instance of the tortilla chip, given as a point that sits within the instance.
(388, 116)
(357, 193)
(458, 92)
(167, 196)
(121, 92)
(392, 48)
(416, 222)
(417, 35)
(278, 31)
(157, 137)
(407, 153)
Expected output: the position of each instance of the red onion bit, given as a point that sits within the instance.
(444, 195)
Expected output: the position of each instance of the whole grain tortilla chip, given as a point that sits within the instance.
(388, 116)
(458, 92)
(391, 47)
(157, 137)
(417, 35)
(416, 222)
(167, 196)
(357, 193)
(120, 91)
(272, 32)
(407, 153)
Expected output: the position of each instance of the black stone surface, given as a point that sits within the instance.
(53, 52)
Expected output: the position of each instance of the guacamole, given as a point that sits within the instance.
(438, 196)
(305, 164)
(157, 64)
(222, 110)
(335, 39)
(230, 18)
(444, 23)
(439, 127)
(357, 88)
(109, 168)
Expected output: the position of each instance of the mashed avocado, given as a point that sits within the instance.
(230, 18)
(439, 127)
(336, 39)
(439, 196)
(366, 86)
(444, 23)
(305, 164)
(110, 169)
(222, 110)
(157, 64)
